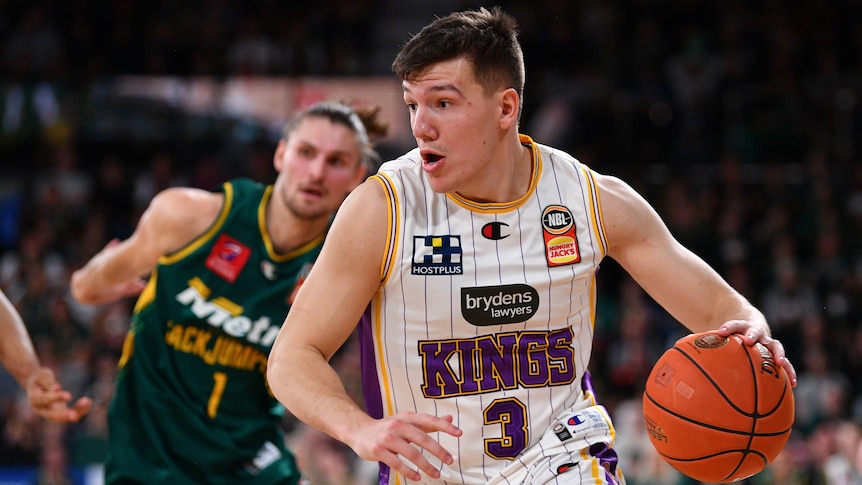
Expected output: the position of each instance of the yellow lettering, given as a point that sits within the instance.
(224, 351)
(174, 336)
(226, 356)
(187, 341)
(203, 338)
(210, 356)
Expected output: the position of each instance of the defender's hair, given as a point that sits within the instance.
(362, 121)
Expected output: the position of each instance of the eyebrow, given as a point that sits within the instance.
(438, 88)
(309, 144)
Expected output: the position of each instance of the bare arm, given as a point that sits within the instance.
(327, 309)
(173, 218)
(680, 281)
(17, 355)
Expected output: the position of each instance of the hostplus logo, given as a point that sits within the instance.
(437, 255)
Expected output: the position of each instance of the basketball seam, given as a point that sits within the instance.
(718, 388)
(712, 426)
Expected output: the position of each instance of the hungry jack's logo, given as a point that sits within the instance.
(561, 241)
(227, 257)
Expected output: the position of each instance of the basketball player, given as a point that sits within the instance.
(19, 358)
(477, 252)
(191, 404)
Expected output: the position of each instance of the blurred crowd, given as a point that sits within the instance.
(737, 120)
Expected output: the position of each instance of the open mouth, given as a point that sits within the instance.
(431, 158)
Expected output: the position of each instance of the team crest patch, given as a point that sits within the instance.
(227, 257)
(561, 241)
(437, 255)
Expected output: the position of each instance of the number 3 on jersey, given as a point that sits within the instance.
(220, 379)
(511, 415)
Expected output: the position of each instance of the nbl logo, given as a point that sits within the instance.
(437, 255)
(561, 240)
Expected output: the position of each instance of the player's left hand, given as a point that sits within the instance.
(752, 334)
(50, 400)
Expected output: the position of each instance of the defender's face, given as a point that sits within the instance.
(318, 166)
(456, 125)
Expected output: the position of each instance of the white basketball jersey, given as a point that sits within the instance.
(486, 310)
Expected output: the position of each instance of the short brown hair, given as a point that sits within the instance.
(488, 39)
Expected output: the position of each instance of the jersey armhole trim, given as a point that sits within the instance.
(596, 217)
(208, 234)
(392, 227)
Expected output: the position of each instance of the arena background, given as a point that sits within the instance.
(738, 120)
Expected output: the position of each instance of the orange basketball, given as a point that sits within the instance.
(716, 409)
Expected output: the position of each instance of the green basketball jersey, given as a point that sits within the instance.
(191, 404)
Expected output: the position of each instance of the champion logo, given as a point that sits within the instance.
(495, 231)
(576, 420)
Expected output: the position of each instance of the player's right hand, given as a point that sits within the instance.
(50, 400)
(403, 435)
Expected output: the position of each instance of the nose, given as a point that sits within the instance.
(421, 123)
(317, 167)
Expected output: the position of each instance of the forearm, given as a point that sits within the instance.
(313, 392)
(112, 274)
(88, 284)
(734, 306)
(16, 349)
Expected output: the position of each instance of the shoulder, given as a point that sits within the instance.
(368, 197)
(409, 160)
(186, 199)
(184, 210)
(629, 219)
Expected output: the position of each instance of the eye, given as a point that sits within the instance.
(411, 106)
(443, 104)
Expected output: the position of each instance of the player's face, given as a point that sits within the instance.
(456, 126)
(318, 166)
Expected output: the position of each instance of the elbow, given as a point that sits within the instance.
(81, 291)
(274, 371)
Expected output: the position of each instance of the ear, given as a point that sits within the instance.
(278, 158)
(510, 105)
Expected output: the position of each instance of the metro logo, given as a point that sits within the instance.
(224, 314)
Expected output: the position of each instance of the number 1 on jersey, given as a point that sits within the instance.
(220, 379)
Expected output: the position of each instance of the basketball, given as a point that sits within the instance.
(716, 409)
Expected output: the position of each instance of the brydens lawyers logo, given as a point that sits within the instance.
(499, 305)
(227, 257)
(561, 241)
(437, 255)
